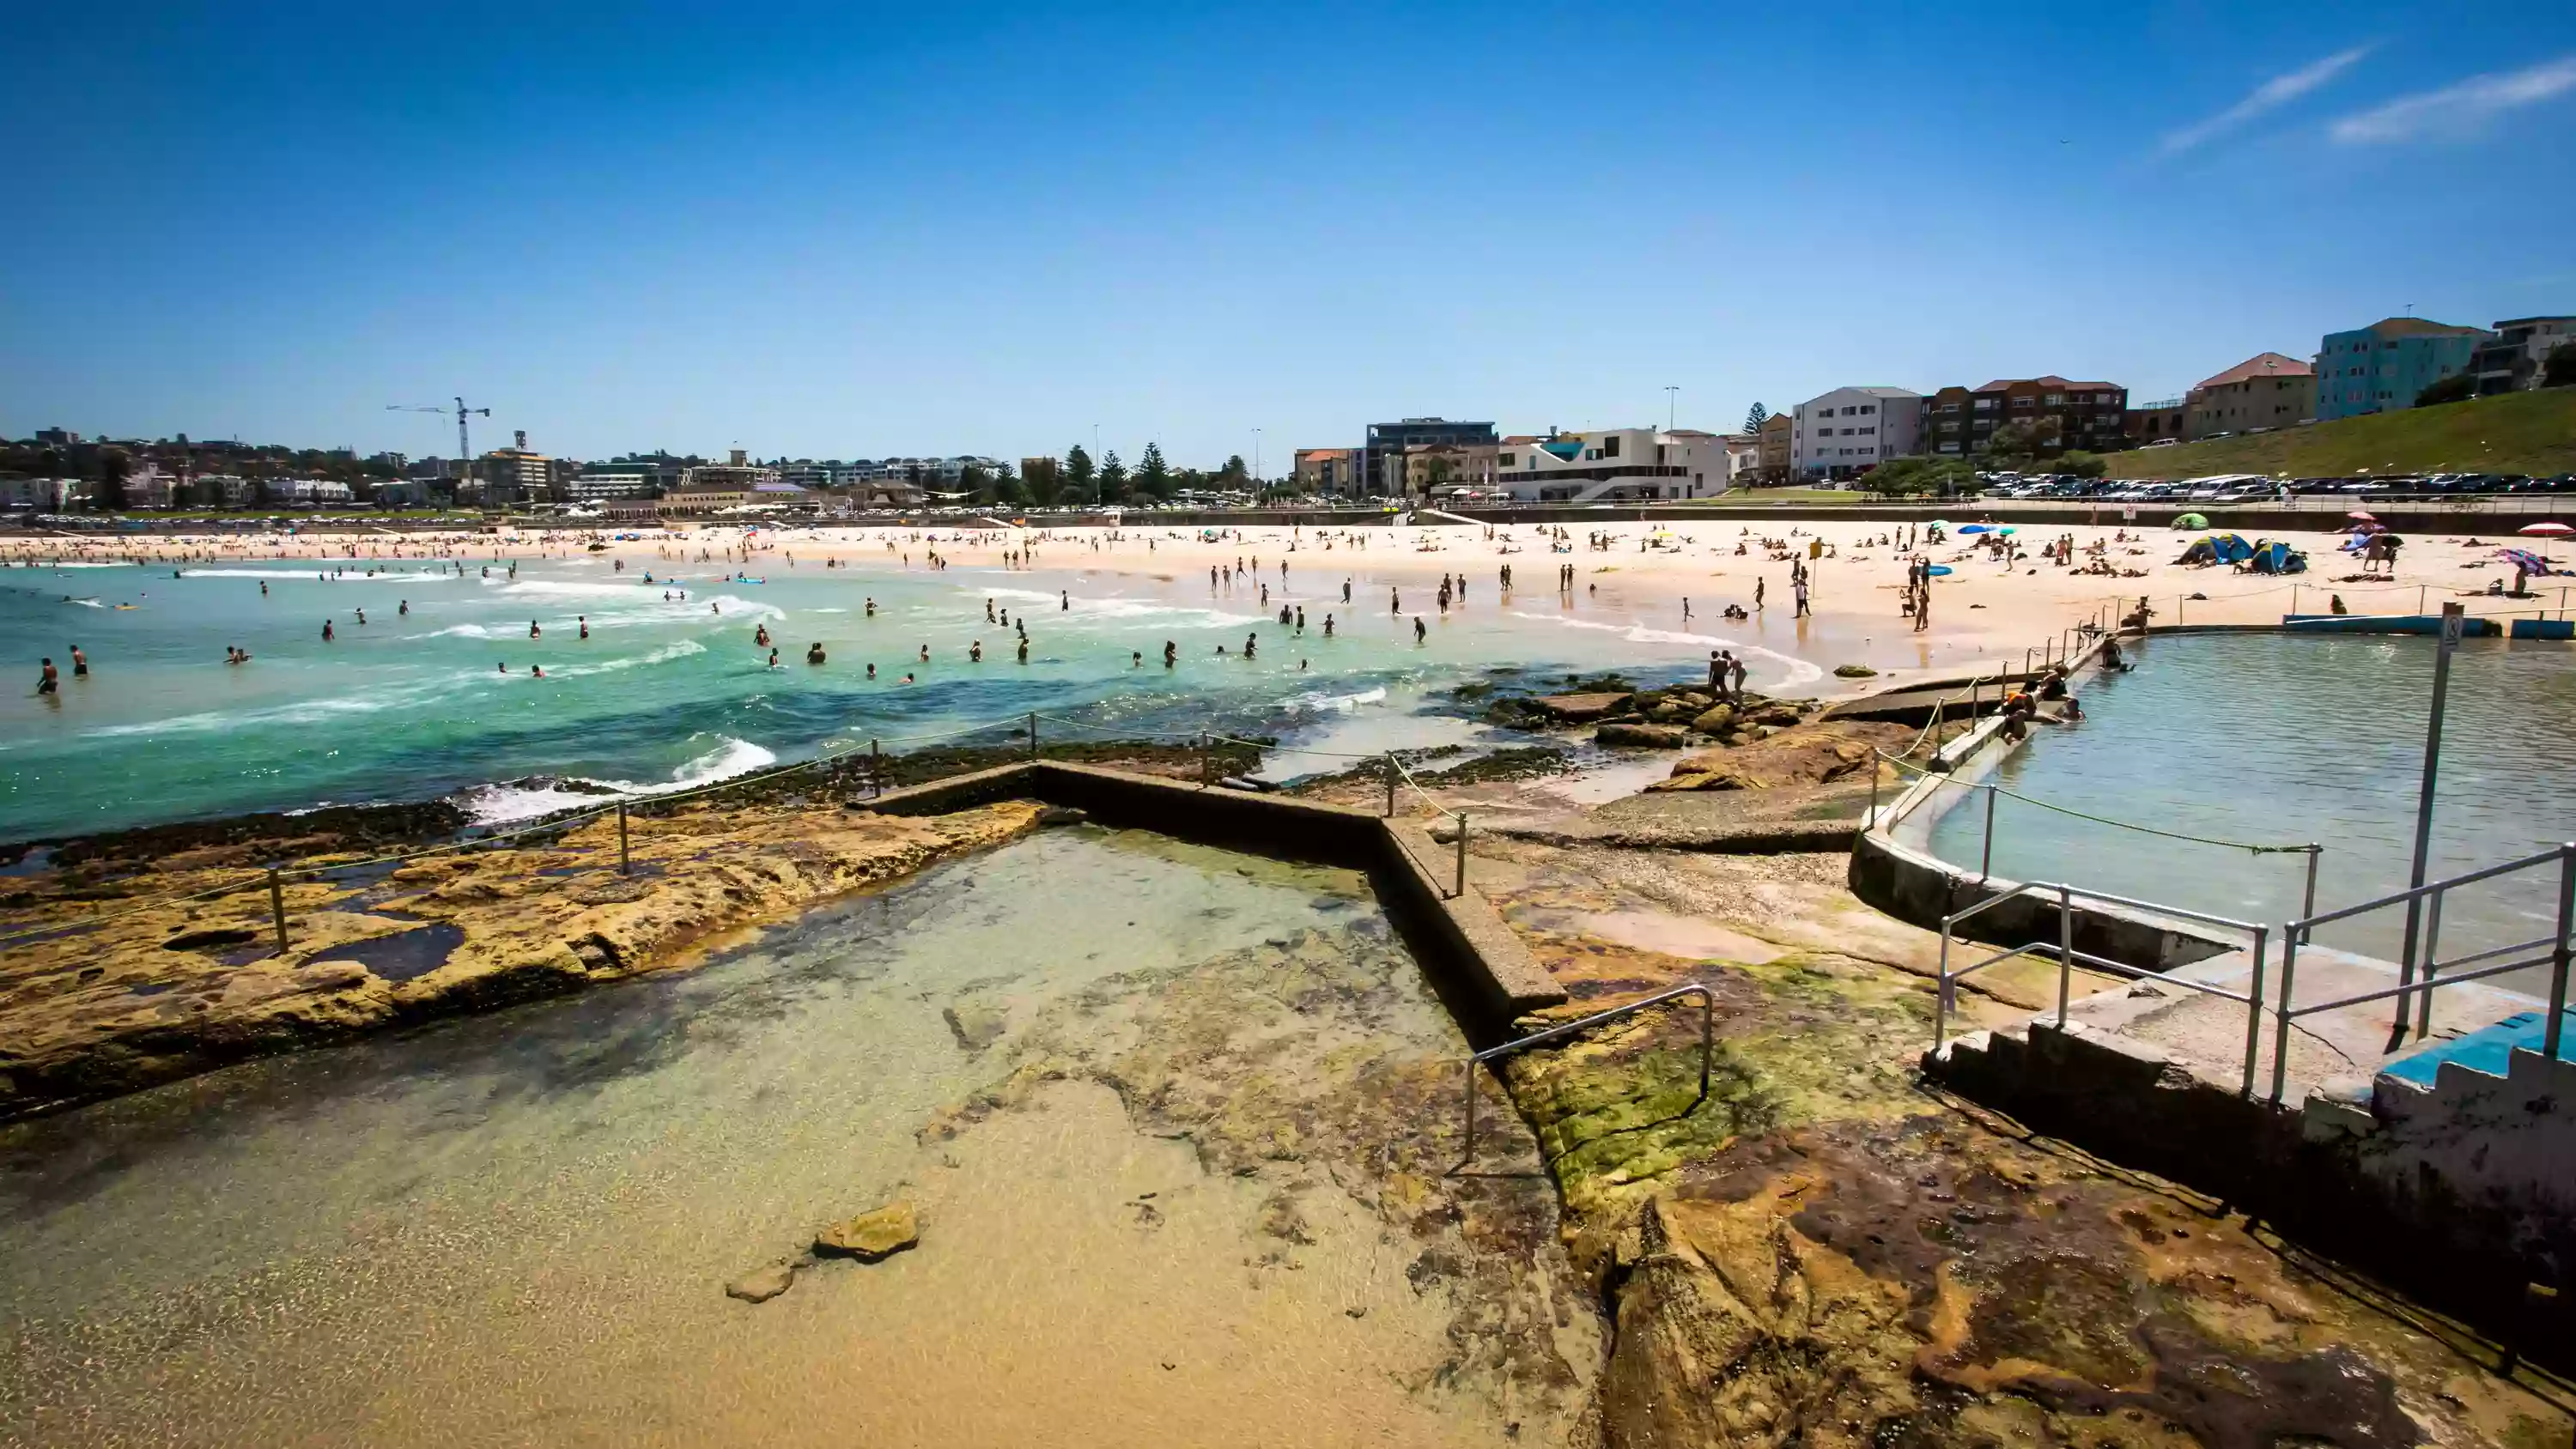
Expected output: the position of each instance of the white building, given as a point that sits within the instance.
(45, 495)
(1743, 457)
(1611, 465)
(1853, 428)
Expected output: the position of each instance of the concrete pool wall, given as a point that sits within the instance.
(1479, 966)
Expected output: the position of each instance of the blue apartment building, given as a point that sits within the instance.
(2381, 367)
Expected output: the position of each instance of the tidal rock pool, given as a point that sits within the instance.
(1175, 1125)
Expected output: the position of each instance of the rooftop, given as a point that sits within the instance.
(2261, 364)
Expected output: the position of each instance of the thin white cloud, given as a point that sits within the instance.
(2272, 94)
(2458, 109)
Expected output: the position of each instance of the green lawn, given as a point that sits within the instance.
(2521, 432)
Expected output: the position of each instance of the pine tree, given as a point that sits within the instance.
(1113, 477)
(1077, 477)
(1153, 475)
(112, 467)
(1756, 417)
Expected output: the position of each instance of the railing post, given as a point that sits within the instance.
(876, 767)
(1390, 784)
(2281, 1018)
(2254, 1014)
(625, 866)
(1986, 862)
(2432, 959)
(2558, 955)
(1207, 762)
(1869, 822)
(1033, 734)
(1461, 891)
(1707, 1037)
(1941, 988)
(1468, 1154)
(2308, 904)
(277, 908)
(2065, 950)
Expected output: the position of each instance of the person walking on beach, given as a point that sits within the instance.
(1757, 595)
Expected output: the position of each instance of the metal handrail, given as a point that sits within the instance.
(2385, 993)
(1945, 996)
(1707, 1046)
(2400, 898)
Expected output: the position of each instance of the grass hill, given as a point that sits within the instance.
(2517, 432)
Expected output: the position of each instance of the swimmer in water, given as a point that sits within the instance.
(584, 620)
(814, 652)
(362, 618)
(533, 631)
(1328, 626)
(872, 608)
(872, 671)
(760, 637)
(1418, 630)
(773, 659)
(80, 663)
(1135, 658)
(327, 634)
(925, 654)
(405, 611)
(537, 672)
(907, 679)
(1024, 649)
(1171, 654)
(975, 652)
(51, 680)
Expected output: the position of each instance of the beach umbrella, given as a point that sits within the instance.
(2546, 530)
(2364, 515)
(2191, 520)
(1975, 528)
(2004, 530)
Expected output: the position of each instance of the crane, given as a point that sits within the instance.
(464, 450)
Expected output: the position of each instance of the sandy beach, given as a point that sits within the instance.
(1992, 605)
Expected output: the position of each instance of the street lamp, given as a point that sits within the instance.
(1256, 457)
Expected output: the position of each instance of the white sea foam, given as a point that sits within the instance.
(1799, 671)
(86, 603)
(501, 804)
(313, 576)
(668, 652)
(307, 711)
(575, 589)
(1322, 700)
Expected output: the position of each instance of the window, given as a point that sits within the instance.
(2057, 399)
(1506, 460)
(1868, 408)
(2025, 400)
(1610, 446)
(1949, 407)
(1985, 404)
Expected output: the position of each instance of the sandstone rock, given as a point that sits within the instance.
(1703, 762)
(1853, 671)
(763, 1283)
(1693, 700)
(873, 1236)
(1778, 715)
(1665, 711)
(1708, 780)
(1717, 718)
(1051, 815)
(975, 1026)
(1640, 736)
(1580, 708)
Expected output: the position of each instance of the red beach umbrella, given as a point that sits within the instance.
(2546, 530)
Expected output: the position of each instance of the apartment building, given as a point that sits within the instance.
(1779, 444)
(1852, 429)
(1611, 465)
(1381, 460)
(2381, 367)
(2267, 390)
(1959, 421)
(1329, 470)
(2512, 358)
(1449, 468)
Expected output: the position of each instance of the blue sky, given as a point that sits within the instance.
(848, 231)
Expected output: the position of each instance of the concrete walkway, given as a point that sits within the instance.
(2205, 1034)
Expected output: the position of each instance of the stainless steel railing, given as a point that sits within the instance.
(1707, 1047)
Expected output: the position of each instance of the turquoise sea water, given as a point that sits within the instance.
(2272, 738)
(668, 691)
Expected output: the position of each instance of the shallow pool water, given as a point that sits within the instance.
(516, 1228)
(2281, 739)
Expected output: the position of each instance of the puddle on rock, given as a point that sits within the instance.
(1188, 1193)
(402, 955)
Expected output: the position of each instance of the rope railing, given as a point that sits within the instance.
(1948, 779)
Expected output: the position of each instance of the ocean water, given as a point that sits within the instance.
(2275, 738)
(670, 689)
